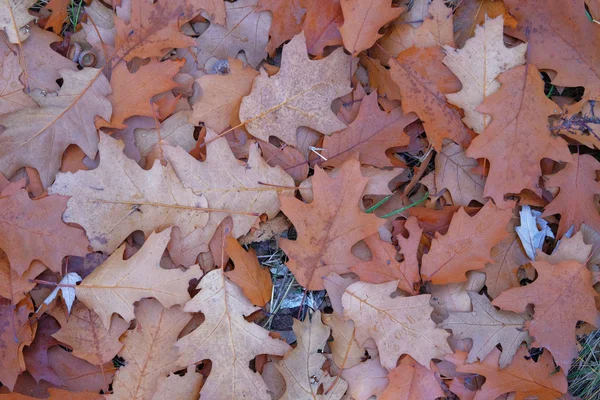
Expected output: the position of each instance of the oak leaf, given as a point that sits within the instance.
(77, 374)
(477, 65)
(13, 286)
(115, 285)
(149, 350)
(254, 280)
(300, 94)
(488, 327)
(59, 13)
(422, 79)
(454, 172)
(33, 230)
(37, 137)
(523, 376)
(290, 159)
(561, 38)
(380, 78)
(149, 29)
(174, 131)
(362, 21)
(14, 16)
(454, 297)
(562, 295)
(328, 227)
(466, 246)
(288, 17)
(85, 334)
(238, 190)
(474, 13)
(518, 137)
(15, 333)
(12, 96)
(177, 387)
(132, 93)
(575, 202)
(399, 325)
(119, 197)
(36, 355)
(222, 95)
(411, 381)
(370, 135)
(227, 339)
(533, 231)
(321, 25)
(366, 379)
(302, 367)
(246, 29)
(508, 256)
(57, 394)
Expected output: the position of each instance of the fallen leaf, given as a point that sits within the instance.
(149, 350)
(67, 292)
(33, 230)
(523, 376)
(477, 65)
(288, 158)
(366, 379)
(575, 201)
(119, 197)
(370, 135)
(177, 387)
(36, 356)
(454, 297)
(562, 295)
(288, 17)
(362, 21)
(37, 137)
(472, 13)
(532, 237)
(466, 246)
(254, 280)
(227, 339)
(328, 227)
(58, 16)
(15, 15)
(85, 334)
(399, 325)
(12, 97)
(174, 131)
(420, 75)
(77, 374)
(300, 94)
(488, 327)
(115, 285)
(13, 286)
(57, 394)
(302, 367)
(518, 137)
(411, 381)
(321, 25)
(246, 29)
(222, 95)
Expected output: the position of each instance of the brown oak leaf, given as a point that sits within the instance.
(466, 246)
(12, 96)
(288, 17)
(411, 381)
(321, 25)
(328, 227)
(15, 15)
(13, 286)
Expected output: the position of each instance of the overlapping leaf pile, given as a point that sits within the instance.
(431, 165)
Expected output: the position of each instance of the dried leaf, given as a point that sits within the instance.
(410, 380)
(287, 21)
(300, 94)
(12, 96)
(115, 285)
(174, 131)
(67, 292)
(227, 339)
(531, 236)
(321, 25)
(15, 16)
(13, 286)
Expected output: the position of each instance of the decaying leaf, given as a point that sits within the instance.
(300, 94)
(116, 284)
(227, 339)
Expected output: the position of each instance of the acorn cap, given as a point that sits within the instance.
(74, 52)
(87, 59)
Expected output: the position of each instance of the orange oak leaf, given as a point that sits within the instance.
(362, 21)
(254, 280)
(399, 325)
(523, 376)
(411, 381)
(561, 38)
(508, 256)
(370, 134)
(222, 95)
(132, 93)
(116, 284)
(246, 29)
(384, 267)
(300, 94)
(14, 286)
(288, 17)
(33, 230)
(466, 246)
(328, 227)
(84, 333)
(37, 136)
(423, 79)
(562, 295)
(58, 16)
(149, 350)
(149, 29)
(321, 25)
(15, 333)
(380, 78)
(575, 202)
(228, 340)
(518, 137)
